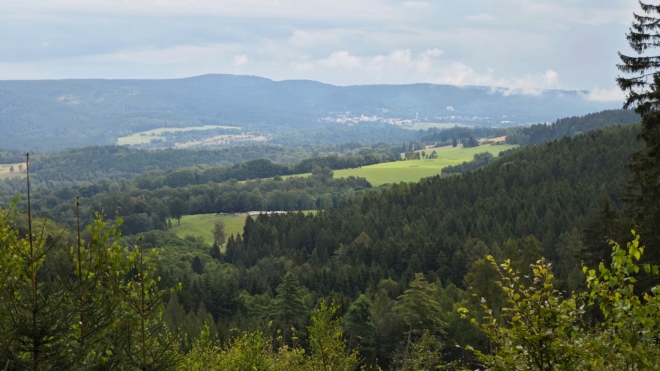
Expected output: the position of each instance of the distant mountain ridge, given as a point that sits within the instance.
(55, 114)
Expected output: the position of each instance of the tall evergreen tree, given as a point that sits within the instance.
(643, 93)
(289, 307)
(418, 308)
(360, 328)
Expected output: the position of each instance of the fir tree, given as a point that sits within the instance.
(418, 309)
(643, 93)
(289, 307)
(360, 329)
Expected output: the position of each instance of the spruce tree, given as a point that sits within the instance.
(289, 308)
(360, 330)
(418, 309)
(643, 93)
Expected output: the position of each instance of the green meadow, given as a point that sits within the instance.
(414, 170)
(202, 225)
(146, 136)
(6, 172)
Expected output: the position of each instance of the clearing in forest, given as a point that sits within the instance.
(18, 172)
(202, 225)
(414, 170)
(145, 137)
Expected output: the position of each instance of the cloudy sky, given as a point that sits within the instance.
(522, 44)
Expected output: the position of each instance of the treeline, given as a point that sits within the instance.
(147, 208)
(571, 126)
(93, 164)
(480, 159)
(443, 137)
(254, 169)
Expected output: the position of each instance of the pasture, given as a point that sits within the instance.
(145, 137)
(202, 225)
(414, 170)
(6, 173)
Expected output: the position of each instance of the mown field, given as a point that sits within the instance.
(414, 170)
(6, 173)
(202, 225)
(144, 137)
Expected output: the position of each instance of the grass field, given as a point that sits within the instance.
(438, 125)
(203, 224)
(5, 172)
(414, 170)
(146, 136)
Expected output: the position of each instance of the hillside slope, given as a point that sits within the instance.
(58, 114)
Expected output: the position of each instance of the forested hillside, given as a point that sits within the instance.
(570, 126)
(58, 114)
(531, 203)
(399, 265)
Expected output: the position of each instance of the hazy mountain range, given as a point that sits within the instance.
(54, 114)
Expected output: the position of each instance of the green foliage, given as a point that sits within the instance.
(627, 337)
(328, 347)
(541, 327)
(545, 330)
(253, 350)
(425, 354)
(219, 235)
(360, 329)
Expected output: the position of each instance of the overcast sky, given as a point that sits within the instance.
(522, 44)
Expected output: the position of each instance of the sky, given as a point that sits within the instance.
(523, 45)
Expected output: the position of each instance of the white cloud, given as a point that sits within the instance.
(457, 73)
(605, 95)
(450, 108)
(341, 59)
(416, 4)
(240, 59)
(533, 84)
(481, 17)
(396, 62)
(460, 74)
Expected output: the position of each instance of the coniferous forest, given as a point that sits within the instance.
(545, 257)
